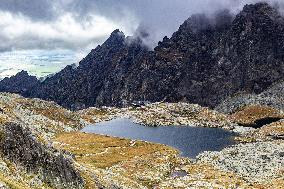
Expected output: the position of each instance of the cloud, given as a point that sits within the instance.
(20, 32)
(77, 24)
(35, 9)
(163, 17)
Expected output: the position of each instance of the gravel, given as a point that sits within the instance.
(257, 162)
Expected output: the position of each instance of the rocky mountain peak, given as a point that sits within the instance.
(19, 83)
(223, 19)
(259, 23)
(260, 12)
(22, 73)
(116, 37)
(260, 8)
(117, 32)
(196, 23)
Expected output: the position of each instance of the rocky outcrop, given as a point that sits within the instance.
(20, 146)
(259, 162)
(274, 131)
(20, 83)
(169, 114)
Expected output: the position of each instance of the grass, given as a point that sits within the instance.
(13, 184)
(103, 152)
(248, 115)
(90, 183)
(129, 159)
(140, 162)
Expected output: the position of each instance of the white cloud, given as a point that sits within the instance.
(25, 41)
(20, 32)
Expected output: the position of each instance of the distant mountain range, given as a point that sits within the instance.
(20, 83)
(206, 61)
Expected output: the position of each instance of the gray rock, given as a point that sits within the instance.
(3, 186)
(21, 147)
(273, 97)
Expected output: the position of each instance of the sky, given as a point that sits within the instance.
(43, 36)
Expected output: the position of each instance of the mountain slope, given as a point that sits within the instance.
(204, 62)
(19, 83)
(272, 97)
(81, 86)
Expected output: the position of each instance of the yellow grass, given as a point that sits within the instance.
(12, 184)
(92, 114)
(133, 158)
(249, 114)
(103, 151)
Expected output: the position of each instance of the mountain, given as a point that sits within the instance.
(20, 83)
(206, 61)
(103, 69)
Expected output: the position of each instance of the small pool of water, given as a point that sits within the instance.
(189, 140)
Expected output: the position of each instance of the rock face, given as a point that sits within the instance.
(19, 83)
(21, 147)
(204, 62)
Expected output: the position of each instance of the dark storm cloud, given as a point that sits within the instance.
(91, 21)
(160, 17)
(35, 9)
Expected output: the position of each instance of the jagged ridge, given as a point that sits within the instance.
(19, 83)
(204, 62)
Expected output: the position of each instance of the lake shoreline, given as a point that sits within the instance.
(232, 159)
(184, 138)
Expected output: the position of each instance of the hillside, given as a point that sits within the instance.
(41, 146)
(273, 96)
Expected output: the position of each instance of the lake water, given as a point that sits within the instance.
(189, 140)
